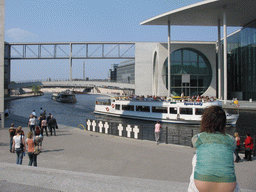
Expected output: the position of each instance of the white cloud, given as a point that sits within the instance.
(19, 35)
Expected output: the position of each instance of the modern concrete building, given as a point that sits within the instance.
(193, 68)
(233, 75)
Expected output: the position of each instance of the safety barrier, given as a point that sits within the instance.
(131, 131)
(168, 135)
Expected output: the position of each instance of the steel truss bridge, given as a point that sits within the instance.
(70, 50)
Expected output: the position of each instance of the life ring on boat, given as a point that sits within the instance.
(107, 108)
(113, 105)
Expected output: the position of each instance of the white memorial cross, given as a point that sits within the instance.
(93, 125)
(120, 129)
(88, 125)
(136, 132)
(106, 126)
(100, 126)
(129, 130)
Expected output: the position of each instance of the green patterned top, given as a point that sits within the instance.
(215, 160)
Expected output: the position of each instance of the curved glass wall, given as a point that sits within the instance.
(191, 72)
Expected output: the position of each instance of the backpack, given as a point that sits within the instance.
(38, 131)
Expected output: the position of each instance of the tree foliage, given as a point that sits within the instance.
(36, 89)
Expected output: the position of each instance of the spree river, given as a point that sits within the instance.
(74, 114)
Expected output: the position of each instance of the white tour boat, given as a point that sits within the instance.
(165, 111)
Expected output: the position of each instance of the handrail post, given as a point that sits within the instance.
(166, 135)
(141, 127)
(192, 134)
(179, 137)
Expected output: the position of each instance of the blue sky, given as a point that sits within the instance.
(88, 21)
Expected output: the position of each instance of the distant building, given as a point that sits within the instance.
(126, 72)
(112, 73)
(242, 63)
(193, 68)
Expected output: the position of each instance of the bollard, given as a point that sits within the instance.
(250, 100)
(166, 135)
(141, 129)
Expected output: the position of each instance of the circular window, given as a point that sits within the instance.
(191, 72)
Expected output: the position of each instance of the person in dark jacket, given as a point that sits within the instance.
(48, 119)
(52, 124)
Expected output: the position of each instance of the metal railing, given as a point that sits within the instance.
(168, 135)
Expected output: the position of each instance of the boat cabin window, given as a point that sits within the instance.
(199, 111)
(186, 111)
(117, 107)
(173, 110)
(128, 107)
(159, 109)
(143, 108)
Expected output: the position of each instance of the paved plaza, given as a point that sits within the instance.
(79, 160)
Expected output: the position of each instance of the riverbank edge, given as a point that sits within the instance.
(243, 105)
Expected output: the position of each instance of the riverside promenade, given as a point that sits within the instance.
(80, 160)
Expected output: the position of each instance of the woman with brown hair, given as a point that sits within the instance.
(213, 164)
(19, 146)
(31, 144)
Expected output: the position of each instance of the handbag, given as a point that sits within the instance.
(36, 149)
(247, 149)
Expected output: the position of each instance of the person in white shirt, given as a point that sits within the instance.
(32, 123)
(34, 113)
(18, 141)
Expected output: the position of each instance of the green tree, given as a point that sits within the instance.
(36, 89)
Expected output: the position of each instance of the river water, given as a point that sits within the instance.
(74, 114)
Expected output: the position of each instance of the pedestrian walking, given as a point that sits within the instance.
(52, 125)
(12, 132)
(157, 132)
(22, 132)
(237, 138)
(19, 146)
(32, 123)
(31, 143)
(41, 111)
(34, 113)
(48, 119)
(44, 127)
(248, 144)
(40, 118)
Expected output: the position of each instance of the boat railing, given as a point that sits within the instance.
(173, 100)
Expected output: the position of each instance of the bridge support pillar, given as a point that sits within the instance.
(2, 8)
(70, 62)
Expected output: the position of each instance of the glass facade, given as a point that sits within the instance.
(191, 72)
(242, 63)
(126, 72)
